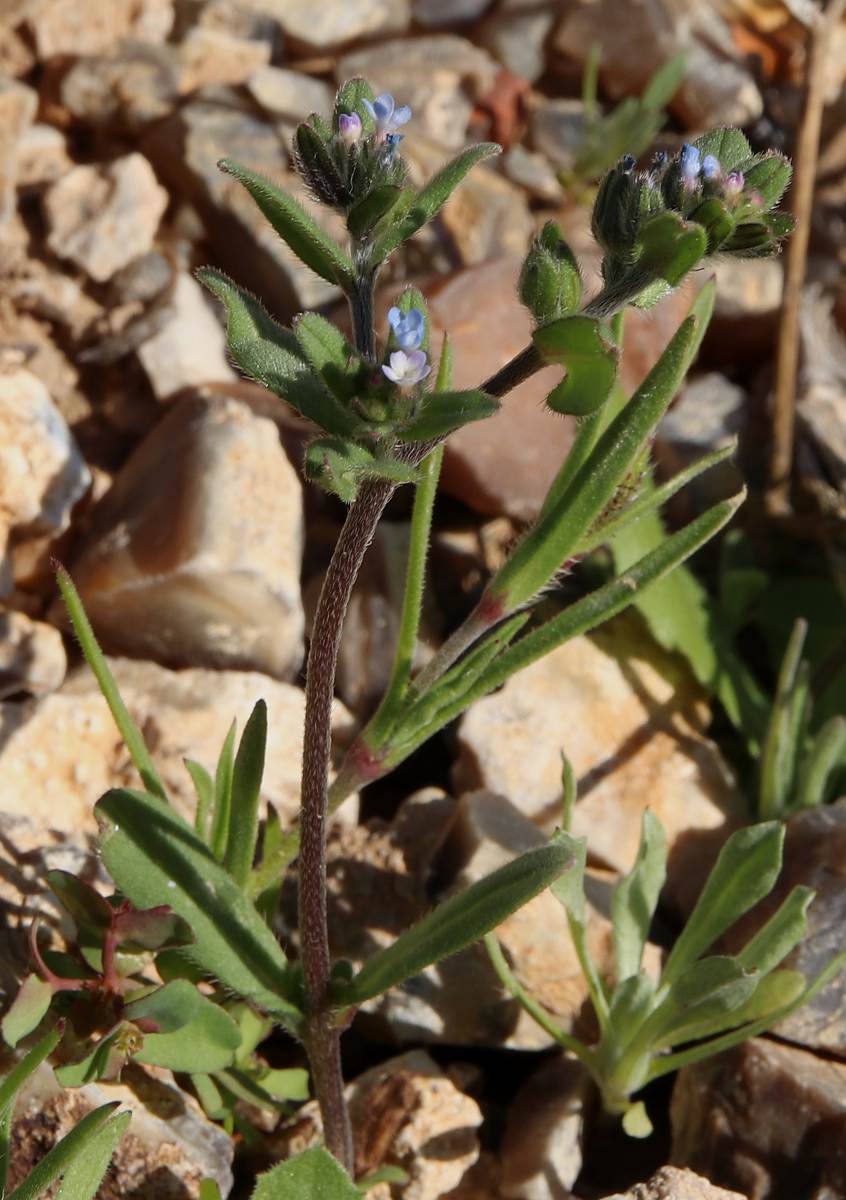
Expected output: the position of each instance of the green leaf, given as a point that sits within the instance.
(458, 922)
(105, 1059)
(273, 356)
(222, 814)
(780, 749)
(430, 199)
(717, 220)
(569, 891)
(745, 871)
(88, 908)
(196, 1034)
(155, 857)
(440, 413)
(580, 345)
(312, 1175)
(630, 1005)
(28, 1065)
(729, 147)
(665, 82)
(340, 467)
(386, 1174)
(27, 1010)
(768, 176)
(668, 247)
(636, 897)
(784, 930)
(330, 354)
(550, 283)
(204, 787)
(707, 992)
(826, 755)
(59, 1159)
(128, 730)
(83, 1177)
(246, 792)
(560, 528)
(209, 1190)
(376, 205)
(285, 1083)
(293, 224)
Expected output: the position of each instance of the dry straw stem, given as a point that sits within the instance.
(807, 151)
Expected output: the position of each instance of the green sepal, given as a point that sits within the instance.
(668, 247)
(550, 283)
(728, 145)
(273, 356)
(340, 467)
(156, 858)
(27, 1010)
(312, 1175)
(430, 199)
(636, 897)
(768, 176)
(458, 922)
(317, 168)
(716, 219)
(293, 224)
(581, 345)
(745, 871)
(348, 99)
(439, 413)
(366, 215)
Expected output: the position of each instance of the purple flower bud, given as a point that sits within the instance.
(407, 369)
(733, 185)
(711, 168)
(387, 116)
(408, 328)
(349, 127)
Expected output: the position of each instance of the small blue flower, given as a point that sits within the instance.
(407, 369)
(711, 168)
(387, 116)
(733, 185)
(349, 127)
(690, 166)
(408, 328)
(392, 141)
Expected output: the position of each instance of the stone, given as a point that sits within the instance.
(542, 1146)
(32, 656)
(558, 130)
(766, 1119)
(189, 348)
(212, 56)
(747, 287)
(406, 1112)
(674, 1183)
(64, 27)
(718, 89)
(814, 853)
(42, 473)
(58, 298)
(335, 22)
(62, 752)
(186, 148)
(533, 171)
(18, 106)
(440, 76)
(708, 414)
(448, 12)
(102, 217)
(41, 156)
(629, 720)
(125, 90)
(170, 1147)
(193, 556)
(518, 39)
(291, 94)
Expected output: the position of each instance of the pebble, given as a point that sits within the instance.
(533, 171)
(518, 38)
(637, 743)
(65, 27)
(126, 90)
(542, 1145)
(213, 56)
(171, 1143)
(189, 348)
(32, 656)
(18, 106)
(558, 130)
(62, 751)
(728, 1120)
(41, 156)
(285, 93)
(448, 12)
(676, 1183)
(102, 217)
(193, 556)
(334, 22)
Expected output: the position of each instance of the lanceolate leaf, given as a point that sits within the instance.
(784, 930)
(458, 922)
(430, 199)
(273, 356)
(636, 896)
(442, 412)
(745, 872)
(60, 1159)
(83, 1177)
(27, 1010)
(246, 791)
(156, 858)
(295, 226)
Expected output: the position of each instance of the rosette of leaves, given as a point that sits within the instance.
(703, 1001)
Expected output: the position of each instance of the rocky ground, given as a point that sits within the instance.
(131, 451)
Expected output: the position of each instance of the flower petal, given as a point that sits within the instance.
(384, 106)
(402, 115)
(390, 374)
(399, 362)
(394, 317)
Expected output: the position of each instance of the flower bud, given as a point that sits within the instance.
(550, 283)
